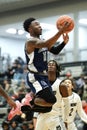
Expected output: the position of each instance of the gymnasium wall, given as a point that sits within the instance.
(14, 47)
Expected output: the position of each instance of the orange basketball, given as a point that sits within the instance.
(61, 21)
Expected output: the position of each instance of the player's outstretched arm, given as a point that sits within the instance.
(80, 110)
(38, 43)
(7, 97)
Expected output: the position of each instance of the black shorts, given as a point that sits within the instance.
(35, 108)
(47, 95)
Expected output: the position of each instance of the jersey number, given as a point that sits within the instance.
(71, 110)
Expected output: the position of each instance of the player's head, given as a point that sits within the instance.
(56, 67)
(32, 26)
(27, 23)
(69, 82)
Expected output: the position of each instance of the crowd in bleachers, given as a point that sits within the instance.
(13, 80)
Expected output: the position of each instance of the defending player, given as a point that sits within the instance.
(53, 119)
(75, 106)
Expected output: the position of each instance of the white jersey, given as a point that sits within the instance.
(56, 109)
(52, 120)
(75, 106)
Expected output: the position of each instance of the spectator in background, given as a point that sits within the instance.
(5, 125)
(21, 61)
(18, 73)
(25, 71)
(6, 85)
(14, 125)
(84, 104)
(69, 74)
(9, 73)
(24, 126)
(80, 83)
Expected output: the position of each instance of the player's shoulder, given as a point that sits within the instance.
(31, 44)
(55, 85)
(76, 95)
(58, 80)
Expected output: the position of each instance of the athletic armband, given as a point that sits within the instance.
(56, 49)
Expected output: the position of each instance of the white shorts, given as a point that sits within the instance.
(72, 126)
(49, 122)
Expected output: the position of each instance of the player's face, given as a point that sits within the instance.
(52, 66)
(68, 83)
(36, 27)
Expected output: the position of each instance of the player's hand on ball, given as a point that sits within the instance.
(63, 29)
(65, 38)
(65, 24)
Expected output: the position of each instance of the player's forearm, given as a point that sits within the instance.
(81, 112)
(57, 49)
(53, 39)
(83, 116)
(3, 93)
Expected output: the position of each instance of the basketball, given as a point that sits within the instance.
(62, 20)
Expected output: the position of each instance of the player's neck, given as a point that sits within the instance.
(52, 77)
(70, 93)
(36, 36)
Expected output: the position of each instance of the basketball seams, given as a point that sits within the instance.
(61, 21)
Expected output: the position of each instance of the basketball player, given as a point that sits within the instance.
(36, 57)
(8, 99)
(75, 106)
(53, 119)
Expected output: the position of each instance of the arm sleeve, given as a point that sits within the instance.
(81, 112)
(57, 49)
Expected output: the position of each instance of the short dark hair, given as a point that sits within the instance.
(27, 23)
(5, 123)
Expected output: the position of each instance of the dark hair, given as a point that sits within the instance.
(14, 121)
(25, 124)
(27, 23)
(5, 123)
(72, 81)
(58, 68)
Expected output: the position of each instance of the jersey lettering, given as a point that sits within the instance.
(73, 104)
